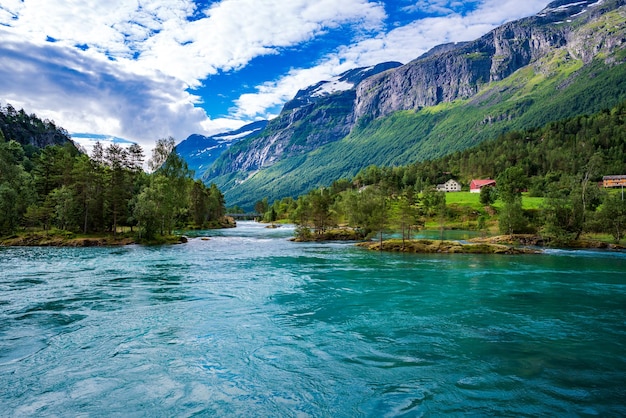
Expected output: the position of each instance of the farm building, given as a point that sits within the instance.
(614, 181)
(476, 185)
(449, 186)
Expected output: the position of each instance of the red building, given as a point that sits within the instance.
(476, 185)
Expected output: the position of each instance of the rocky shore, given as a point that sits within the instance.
(501, 244)
(43, 240)
(539, 241)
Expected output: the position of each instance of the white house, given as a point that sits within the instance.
(449, 186)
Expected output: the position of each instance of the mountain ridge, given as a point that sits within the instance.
(316, 116)
(566, 60)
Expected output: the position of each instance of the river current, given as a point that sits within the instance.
(246, 323)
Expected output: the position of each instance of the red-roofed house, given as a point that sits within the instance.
(476, 185)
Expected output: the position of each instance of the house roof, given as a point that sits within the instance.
(481, 183)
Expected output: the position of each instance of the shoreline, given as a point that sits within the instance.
(61, 238)
(426, 246)
(55, 240)
(500, 244)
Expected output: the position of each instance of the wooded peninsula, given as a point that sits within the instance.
(52, 193)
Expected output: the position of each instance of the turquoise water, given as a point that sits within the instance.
(250, 324)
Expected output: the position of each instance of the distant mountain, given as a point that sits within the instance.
(316, 116)
(201, 151)
(569, 59)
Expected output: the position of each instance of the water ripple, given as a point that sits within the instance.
(247, 323)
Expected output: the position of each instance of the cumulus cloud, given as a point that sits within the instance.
(232, 35)
(401, 44)
(124, 68)
(87, 95)
(161, 35)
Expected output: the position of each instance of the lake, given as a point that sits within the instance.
(247, 323)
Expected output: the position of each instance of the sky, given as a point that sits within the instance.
(140, 70)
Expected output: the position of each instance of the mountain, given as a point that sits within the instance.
(316, 116)
(565, 61)
(30, 130)
(201, 151)
(462, 72)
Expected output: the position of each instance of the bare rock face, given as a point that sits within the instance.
(457, 72)
(318, 115)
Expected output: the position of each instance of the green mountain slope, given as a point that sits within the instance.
(525, 100)
(583, 73)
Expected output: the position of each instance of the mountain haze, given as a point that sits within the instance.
(565, 61)
(201, 151)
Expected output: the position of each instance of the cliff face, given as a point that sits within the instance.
(318, 115)
(29, 129)
(295, 131)
(460, 72)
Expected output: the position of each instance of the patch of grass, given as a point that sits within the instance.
(531, 202)
(468, 199)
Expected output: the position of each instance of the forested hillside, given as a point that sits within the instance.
(545, 154)
(29, 130)
(562, 162)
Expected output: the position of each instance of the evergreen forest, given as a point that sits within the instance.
(47, 184)
(548, 182)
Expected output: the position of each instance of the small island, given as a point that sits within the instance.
(497, 244)
(426, 246)
(500, 244)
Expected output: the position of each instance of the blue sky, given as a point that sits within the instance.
(144, 70)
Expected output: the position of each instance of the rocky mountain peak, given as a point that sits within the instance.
(452, 72)
(342, 82)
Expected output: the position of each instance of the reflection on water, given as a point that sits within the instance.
(243, 322)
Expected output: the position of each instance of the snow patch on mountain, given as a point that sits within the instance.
(577, 8)
(230, 138)
(330, 87)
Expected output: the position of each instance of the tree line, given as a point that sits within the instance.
(563, 163)
(107, 192)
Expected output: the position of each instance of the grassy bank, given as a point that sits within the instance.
(60, 238)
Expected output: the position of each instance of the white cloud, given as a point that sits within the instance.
(236, 31)
(160, 35)
(401, 44)
(86, 95)
(137, 59)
